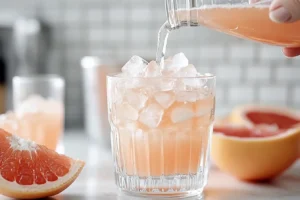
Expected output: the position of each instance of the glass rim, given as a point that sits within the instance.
(206, 77)
(95, 62)
(39, 77)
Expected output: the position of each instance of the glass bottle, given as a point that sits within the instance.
(241, 18)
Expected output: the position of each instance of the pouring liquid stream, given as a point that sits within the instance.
(162, 42)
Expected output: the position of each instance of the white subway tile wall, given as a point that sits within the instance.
(244, 52)
(246, 71)
(288, 74)
(240, 94)
(273, 94)
(296, 96)
(258, 74)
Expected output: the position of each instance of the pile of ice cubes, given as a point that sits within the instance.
(38, 104)
(175, 80)
(176, 66)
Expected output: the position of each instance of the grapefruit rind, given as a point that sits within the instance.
(238, 116)
(255, 159)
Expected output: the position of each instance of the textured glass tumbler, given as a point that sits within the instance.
(160, 131)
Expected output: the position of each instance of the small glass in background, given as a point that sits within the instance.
(94, 72)
(38, 114)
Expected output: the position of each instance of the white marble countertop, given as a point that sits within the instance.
(97, 180)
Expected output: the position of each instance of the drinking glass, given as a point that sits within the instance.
(241, 18)
(38, 102)
(161, 130)
(94, 71)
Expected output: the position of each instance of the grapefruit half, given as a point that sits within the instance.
(260, 115)
(31, 171)
(254, 154)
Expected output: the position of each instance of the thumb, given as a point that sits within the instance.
(284, 11)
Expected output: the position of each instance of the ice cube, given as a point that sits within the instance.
(165, 99)
(194, 82)
(179, 61)
(151, 116)
(168, 69)
(32, 104)
(126, 112)
(135, 67)
(163, 84)
(182, 113)
(153, 70)
(169, 72)
(166, 84)
(187, 96)
(188, 71)
(135, 98)
(193, 79)
(171, 67)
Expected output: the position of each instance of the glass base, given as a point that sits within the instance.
(179, 186)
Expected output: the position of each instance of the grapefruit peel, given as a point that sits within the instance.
(255, 158)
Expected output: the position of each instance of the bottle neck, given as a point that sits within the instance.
(182, 12)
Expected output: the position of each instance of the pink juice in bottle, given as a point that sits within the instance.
(245, 21)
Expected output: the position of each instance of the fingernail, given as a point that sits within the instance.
(280, 15)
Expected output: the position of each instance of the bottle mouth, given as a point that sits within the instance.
(171, 14)
(179, 14)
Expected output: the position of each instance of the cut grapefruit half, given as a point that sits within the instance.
(254, 154)
(31, 171)
(261, 115)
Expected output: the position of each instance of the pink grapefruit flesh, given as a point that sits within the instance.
(31, 171)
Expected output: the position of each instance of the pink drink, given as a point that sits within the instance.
(36, 119)
(161, 130)
(175, 146)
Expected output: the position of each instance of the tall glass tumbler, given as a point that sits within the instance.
(39, 108)
(161, 130)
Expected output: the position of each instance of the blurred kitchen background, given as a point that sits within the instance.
(115, 30)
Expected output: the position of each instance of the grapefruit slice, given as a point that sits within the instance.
(260, 115)
(31, 171)
(254, 154)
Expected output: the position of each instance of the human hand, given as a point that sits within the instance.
(286, 11)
